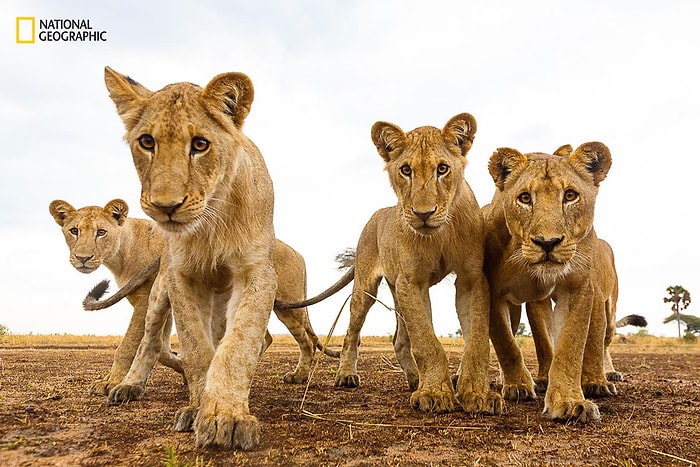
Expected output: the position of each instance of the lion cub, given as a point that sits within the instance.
(97, 236)
(540, 243)
(436, 228)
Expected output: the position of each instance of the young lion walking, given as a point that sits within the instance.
(436, 228)
(206, 185)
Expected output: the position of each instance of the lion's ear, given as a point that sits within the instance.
(387, 138)
(564, 151)
(502, 164)
(118, 209)
(593, 158)
(232, 94)
(60, 209)
(127, 95)
(460, 130)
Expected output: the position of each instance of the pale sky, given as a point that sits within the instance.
(536, 75)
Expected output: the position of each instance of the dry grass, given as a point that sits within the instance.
(621, 342)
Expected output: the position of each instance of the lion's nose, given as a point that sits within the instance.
(424, 215)
(547, 244)
(84, 259)
(167, 208)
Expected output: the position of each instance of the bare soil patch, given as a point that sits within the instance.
(47, 416)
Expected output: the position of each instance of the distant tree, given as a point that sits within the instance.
(345, 258)
(692, 323)
(4, 330)
(680, 299)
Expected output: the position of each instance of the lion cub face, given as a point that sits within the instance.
(93, 234)
(184, 141)
(548, 202)
(426, 168)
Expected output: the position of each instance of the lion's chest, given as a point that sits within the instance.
(515, 284)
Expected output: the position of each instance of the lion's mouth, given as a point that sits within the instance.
(425, 229)
(85, 269)
(550, 271)
(173, 226)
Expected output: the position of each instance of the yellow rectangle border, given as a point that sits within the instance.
(26, 18)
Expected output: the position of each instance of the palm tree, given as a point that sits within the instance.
(680, 299)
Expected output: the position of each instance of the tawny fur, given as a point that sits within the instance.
(539, 315)
(291, 269)
(106, 235)
(540, 243)
(435, 229)
(206, 185)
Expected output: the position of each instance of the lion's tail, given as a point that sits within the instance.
(92, 301)
(632, 320)
(327, 351)
(342, 282)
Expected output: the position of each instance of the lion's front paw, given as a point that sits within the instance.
(433, 401)
(226, 430)
(348, 381)
(101, 387)
(122, 393)
(184, 418)
(583, 411)
(481, 402)
(614, 376)
(295, 377)
(519, 392)
(599, 389)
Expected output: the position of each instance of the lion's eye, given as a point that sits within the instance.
(406, 170)
(101, 233)
(74, 231)
(199, 144)
(525, 197)
(147, 142)
(442, 169)
(570, 195)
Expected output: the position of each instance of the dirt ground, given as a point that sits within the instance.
(47, 416)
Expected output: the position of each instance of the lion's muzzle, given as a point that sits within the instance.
(547, 244)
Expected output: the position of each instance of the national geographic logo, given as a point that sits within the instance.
(56, 30)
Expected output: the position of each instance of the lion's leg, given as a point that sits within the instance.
(517, 381)
(295, 321)
(434, 393)
(402, 347)
(167, 356)
(224, 418)
(472, 302)
(564, 399)
(610, 373)
(360, 304)
(291, 272)
(539, 315)
(126, 350)
(133, 385)
(593, 380)
(193, 318)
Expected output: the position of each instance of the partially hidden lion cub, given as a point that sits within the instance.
(436, 228)
(106, 235)
(207, 186)
(540, 243)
